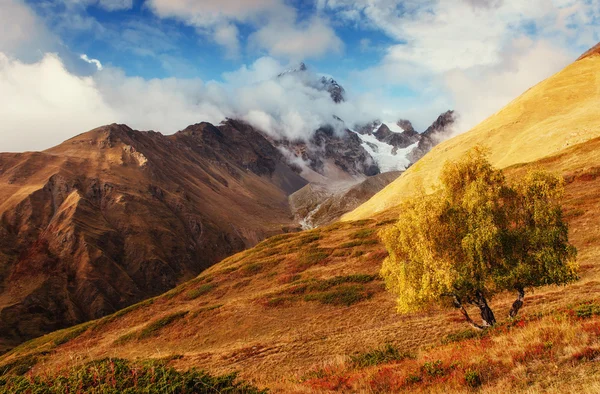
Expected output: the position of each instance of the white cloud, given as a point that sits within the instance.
(21, 32)
(115, 5)
(312, 38)
(16, 23)
(262, 69)
(443, 35)
(276, 25)
(525, 63)
(227, 36)
(477, 54)
(108, 5)
(211, 12)
(284, 107)
(95, 62)
(165, 105)
(43, 103)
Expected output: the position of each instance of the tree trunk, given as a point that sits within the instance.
(487, 315)
(459, 305)
(517, 304)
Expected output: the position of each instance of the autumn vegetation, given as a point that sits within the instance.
(308, 313)
(554, 352)
(478, 236)
(117, 376)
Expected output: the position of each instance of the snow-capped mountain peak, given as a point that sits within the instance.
(323, 83)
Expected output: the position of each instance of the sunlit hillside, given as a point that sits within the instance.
(302, 302)
(559, 112)
(247, 198)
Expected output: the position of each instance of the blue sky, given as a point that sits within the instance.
(142, 43)
(168, 62)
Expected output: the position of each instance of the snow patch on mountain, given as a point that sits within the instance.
(393, 126)
(386, 157)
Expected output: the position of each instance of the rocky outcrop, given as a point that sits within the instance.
(343, 150)
(336, 91)
(328, 84)
(439, 131)
(398, 140)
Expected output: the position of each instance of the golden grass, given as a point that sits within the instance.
(555, 353)
(558, 113)
(229, 327)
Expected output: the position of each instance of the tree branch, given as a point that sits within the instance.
(458, 305)
(517, 304)
(487, 315)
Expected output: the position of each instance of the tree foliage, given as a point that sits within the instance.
(476, 236)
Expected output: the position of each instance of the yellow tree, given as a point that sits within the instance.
(476, 236)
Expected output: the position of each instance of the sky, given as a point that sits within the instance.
(67, 66)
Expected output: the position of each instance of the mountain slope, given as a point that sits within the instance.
(551, 116)
(303, 302)
(316, 204)
(114, 216)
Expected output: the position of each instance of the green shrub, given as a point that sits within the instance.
(276, 240)
(19, 366)
(472, 378)
(587, 310)
(109, 319)
(433, 368)
(574, 213)
(270, 252)
(113, 376)
(307, 240)
(362, 234)
(174, 293)
(360, 242)
(342, 253)
(152, 328)
(385, 355)
(123, 339)
(252, 269)
(313, 256)
(338, 280)
(361, 223)
(200, 291)
(276, 301)
(412, 379)
(209, 308)
(296, 289)
(71, 334)
(463, 336)
(344, 295)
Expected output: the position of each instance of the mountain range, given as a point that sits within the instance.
(114, 216)
(556, 114)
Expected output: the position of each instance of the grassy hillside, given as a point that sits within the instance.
(558, 113)
(294, 313)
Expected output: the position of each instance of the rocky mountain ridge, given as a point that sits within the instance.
(115, 215)
(381, 146)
